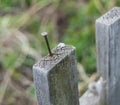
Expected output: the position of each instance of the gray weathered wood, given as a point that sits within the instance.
(55, 78)
(95, 95)
(108, 52)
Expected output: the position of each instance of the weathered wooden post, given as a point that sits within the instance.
(108, 52)
(55, 77)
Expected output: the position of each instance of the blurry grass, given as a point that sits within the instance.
(72, 22)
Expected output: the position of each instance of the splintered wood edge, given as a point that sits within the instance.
(48, 62)
(110, 17)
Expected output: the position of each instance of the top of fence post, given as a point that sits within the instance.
(104, 26)
(108, 52)
(55, 77)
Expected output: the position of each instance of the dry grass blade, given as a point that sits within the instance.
(4, 84)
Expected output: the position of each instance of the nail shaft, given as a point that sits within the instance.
(47, 43)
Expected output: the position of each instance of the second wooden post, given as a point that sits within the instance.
(108, 52)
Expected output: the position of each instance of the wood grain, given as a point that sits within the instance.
(108, 52)
(55, 78)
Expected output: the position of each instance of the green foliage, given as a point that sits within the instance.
(31, 90)
(80, 31)
(10, 60)
(22, 21)
(9, 5)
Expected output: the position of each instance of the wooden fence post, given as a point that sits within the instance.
(108, 52)
(55, 78)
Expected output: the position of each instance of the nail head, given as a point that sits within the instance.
(44, 33)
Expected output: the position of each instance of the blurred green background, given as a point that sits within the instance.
(21, 45)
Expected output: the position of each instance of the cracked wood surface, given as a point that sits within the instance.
(55, 78)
